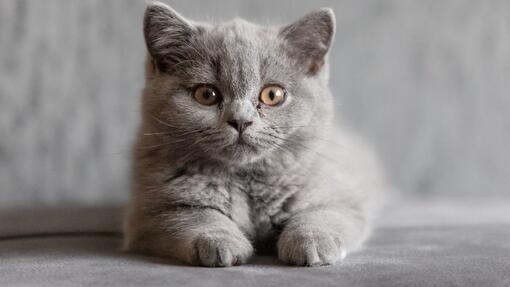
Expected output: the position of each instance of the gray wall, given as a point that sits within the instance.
(426, 81)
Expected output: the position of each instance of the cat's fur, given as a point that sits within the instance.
(302, 188)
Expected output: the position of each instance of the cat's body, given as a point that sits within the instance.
(213, 181)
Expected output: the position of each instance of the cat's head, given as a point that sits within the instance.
(236, 91)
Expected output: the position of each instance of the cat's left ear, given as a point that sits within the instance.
(308, 40)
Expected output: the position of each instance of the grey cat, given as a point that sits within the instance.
(236, 149)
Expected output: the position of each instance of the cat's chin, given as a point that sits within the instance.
(239, 154)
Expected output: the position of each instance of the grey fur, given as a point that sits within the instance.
(299, 186)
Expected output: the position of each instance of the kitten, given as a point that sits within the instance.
(236, 148)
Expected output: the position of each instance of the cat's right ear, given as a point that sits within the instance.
(167, 35)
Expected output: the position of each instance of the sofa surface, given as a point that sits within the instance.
(417, 244)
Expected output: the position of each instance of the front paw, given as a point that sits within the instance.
(310, 246)
(221, 249)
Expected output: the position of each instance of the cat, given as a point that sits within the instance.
(237, 150)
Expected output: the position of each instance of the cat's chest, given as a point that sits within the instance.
(267, 199)
(269, 195)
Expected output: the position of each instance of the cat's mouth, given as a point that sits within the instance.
(242, 143)
(241, 147)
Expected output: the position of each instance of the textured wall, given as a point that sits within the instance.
(428, 82)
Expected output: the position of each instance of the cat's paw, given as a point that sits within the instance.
(221, 249)
(310, 247)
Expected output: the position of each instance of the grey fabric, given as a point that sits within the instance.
(426, 81)
(406, 212)
(59, 220)
(477, 255)
(413, 246)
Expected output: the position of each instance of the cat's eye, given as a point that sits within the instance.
(206, 95)
(272, 95)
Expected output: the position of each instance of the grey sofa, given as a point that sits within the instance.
(425, 81)
(421, 244)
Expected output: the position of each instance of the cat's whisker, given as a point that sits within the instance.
(205, 137)
(159, 145)
(178, 140)
(163, 122)
(286, 149)
(303, 126)
(319, 138)
(157, 134)
(175, 133)
(304, 146)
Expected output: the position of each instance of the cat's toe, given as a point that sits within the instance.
(222, 250)
(310, 247)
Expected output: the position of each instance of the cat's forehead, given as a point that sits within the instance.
(238, 28)
(239, 35)
(239, 53)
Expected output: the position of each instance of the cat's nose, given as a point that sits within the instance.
(239, 125)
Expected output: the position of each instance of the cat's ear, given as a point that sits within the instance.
(308, 40)
(167, 35)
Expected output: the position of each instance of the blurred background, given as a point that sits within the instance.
(427, 82)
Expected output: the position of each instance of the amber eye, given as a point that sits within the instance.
(206, 95)
(272, 95)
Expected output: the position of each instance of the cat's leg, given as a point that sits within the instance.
(321, 236)
(198, 236)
